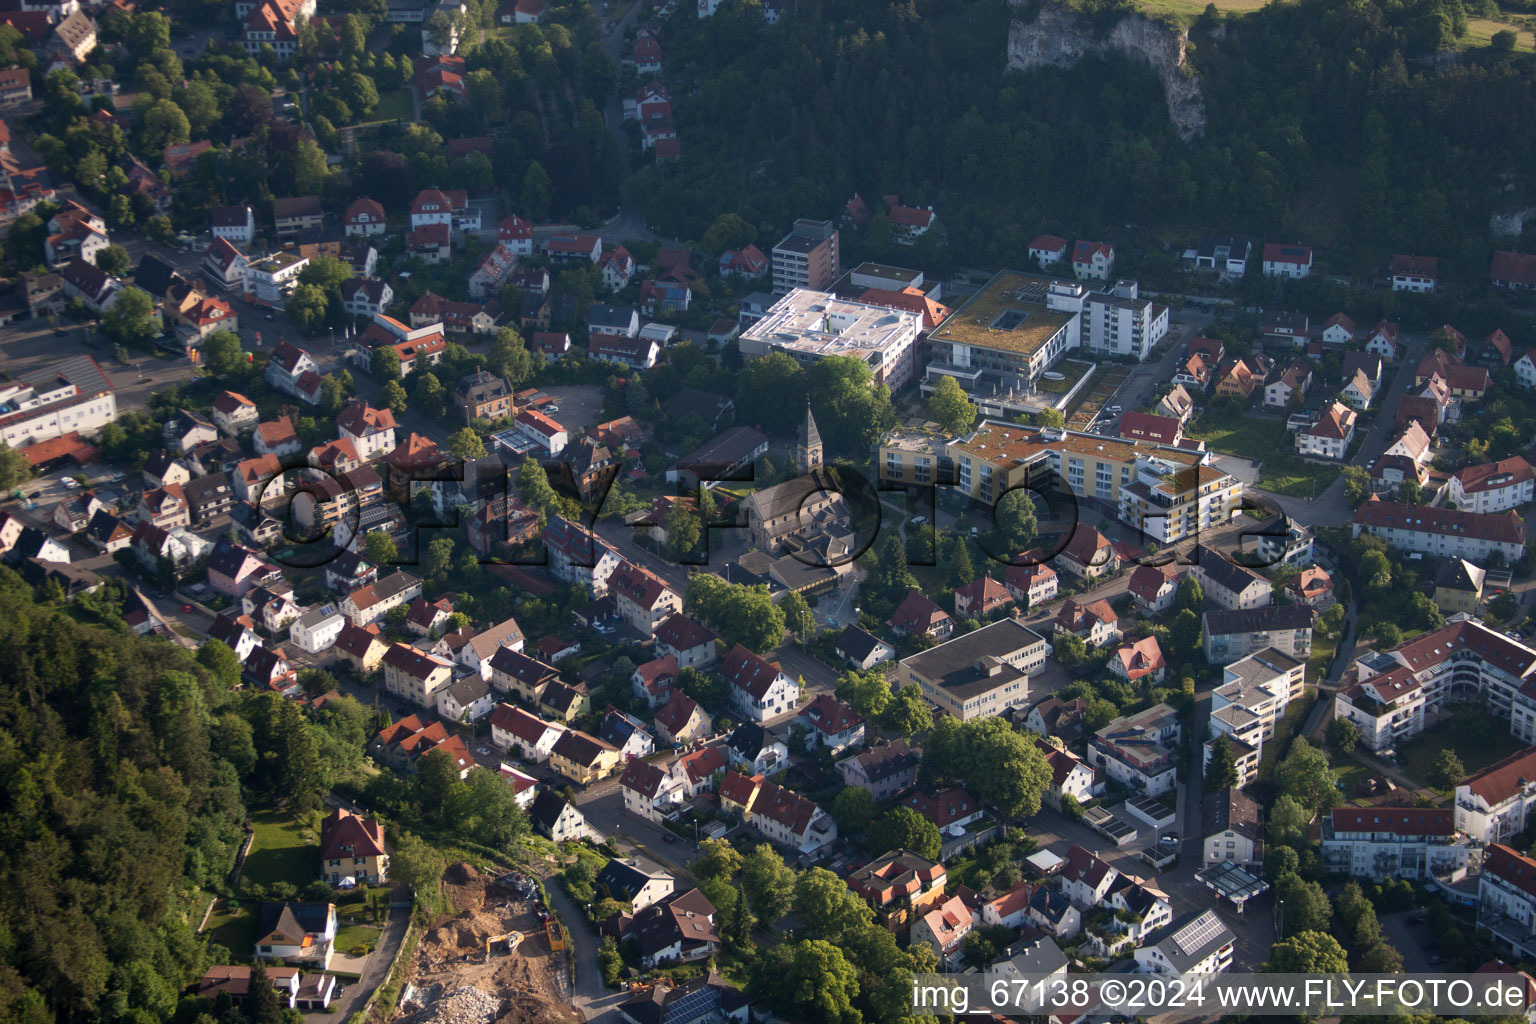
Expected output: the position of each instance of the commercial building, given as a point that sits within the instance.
(980, 674)
(809, 325)
(70, 396)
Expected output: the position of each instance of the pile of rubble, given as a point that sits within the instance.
(463, 1005)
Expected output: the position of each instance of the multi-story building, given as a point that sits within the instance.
(1441, 532)
(1118, 322)
(1197, 943)
(1494, 805)
(1506, 898)
(1415, 843)
(1230, 635)
(1250, 702)
(352, 846)
(1167, 491)
(1492, 487)
(1414, 273)
(759, 689)
(578, 555)
(980, 674)
(1461, 661)
(272, 280)
(998, 342)
(1232, 828)
(1171, 502)
(809, 326)
(884, 771)
(415, 676)
(66, 397)
(1140, 751)
(807, 257)
(1230, 585)
(1328, 436)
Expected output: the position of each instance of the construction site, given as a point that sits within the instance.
(498, 958)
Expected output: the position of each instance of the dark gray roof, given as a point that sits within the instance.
(624, 878)
(1231, 808)
(601, 315)
(953, 664)
(1223, 571)
(1191, 938)
(1257, 620)
(857, 643)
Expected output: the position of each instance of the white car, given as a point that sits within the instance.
(1169, 840)
(918, 521)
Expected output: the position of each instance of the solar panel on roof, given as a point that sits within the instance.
(1195, 935)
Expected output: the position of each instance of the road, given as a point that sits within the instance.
(627, 224)
(590, 997)
(379, 961)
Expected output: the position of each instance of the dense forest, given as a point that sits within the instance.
(127, 763)
(1331, 122)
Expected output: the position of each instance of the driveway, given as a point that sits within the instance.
(589, 996)
(379, 962)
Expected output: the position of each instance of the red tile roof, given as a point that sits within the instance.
(1402, 821)
(1507, 528)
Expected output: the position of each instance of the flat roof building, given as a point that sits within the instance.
(980, 674)
(811, 325)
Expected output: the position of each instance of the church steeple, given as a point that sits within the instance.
(808, 452)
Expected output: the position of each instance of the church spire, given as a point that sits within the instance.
(808, 449)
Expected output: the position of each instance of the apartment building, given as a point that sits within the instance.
(1232, 829)
(1230, 585)
(1463, 660)
(1231, 635)
(415, 676)
(1251, 700)
(1506, 898)
(980, 674)
(1171, 502)
(1492, 487)
(807, 257)
(1140, 751)
(1494, 805)
(1441, 532)
(1415, 843)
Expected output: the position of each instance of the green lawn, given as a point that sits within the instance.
(1476, 745)
(394, 105)
(282, 852)
(1350, 774)
(1295, 477)
(355, 935)
(1240, 434)
(1186, 11)
(235, 930)
(1322, 650)
(1480, 33)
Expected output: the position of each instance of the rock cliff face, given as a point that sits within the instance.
(1058, 37)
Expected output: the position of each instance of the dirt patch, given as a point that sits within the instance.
(465, 971)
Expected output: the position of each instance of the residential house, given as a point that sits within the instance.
(1088, 554)
(1227, 583)
(755, 751)
(295, 932)
(371, 431)
(352, 846)
(363, 217)
(1197, 943)
(1045, 250)
(1283, 260)
(1032, 584)
(360, 648)
(413, 675)
(1381, 340)
(634, 881)
(1330, 435)
(366, 296)
(1070, 777)
(861, 649)
(680, 720)
(1138, 661)
(582, 758)
(233, 413)
(1312, 587)
(317, 629)
(1414, 273)
(944, 929)
(883, 771)
(627, 733)
(1154, 587)
(1095, 623)
(653, 681)
(530, 737)
(236, 223)
(1233, 831)
(651, 791)
(520, 674)
(276, 438)
(370, 603)
(225, 265)
(899, 883)
(831, 725)
(917, 615)
(981, 598)
(759, 689)
(480, 649)
(559, 820)
(1092, 261)
(1287, 384)
(297, 214)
